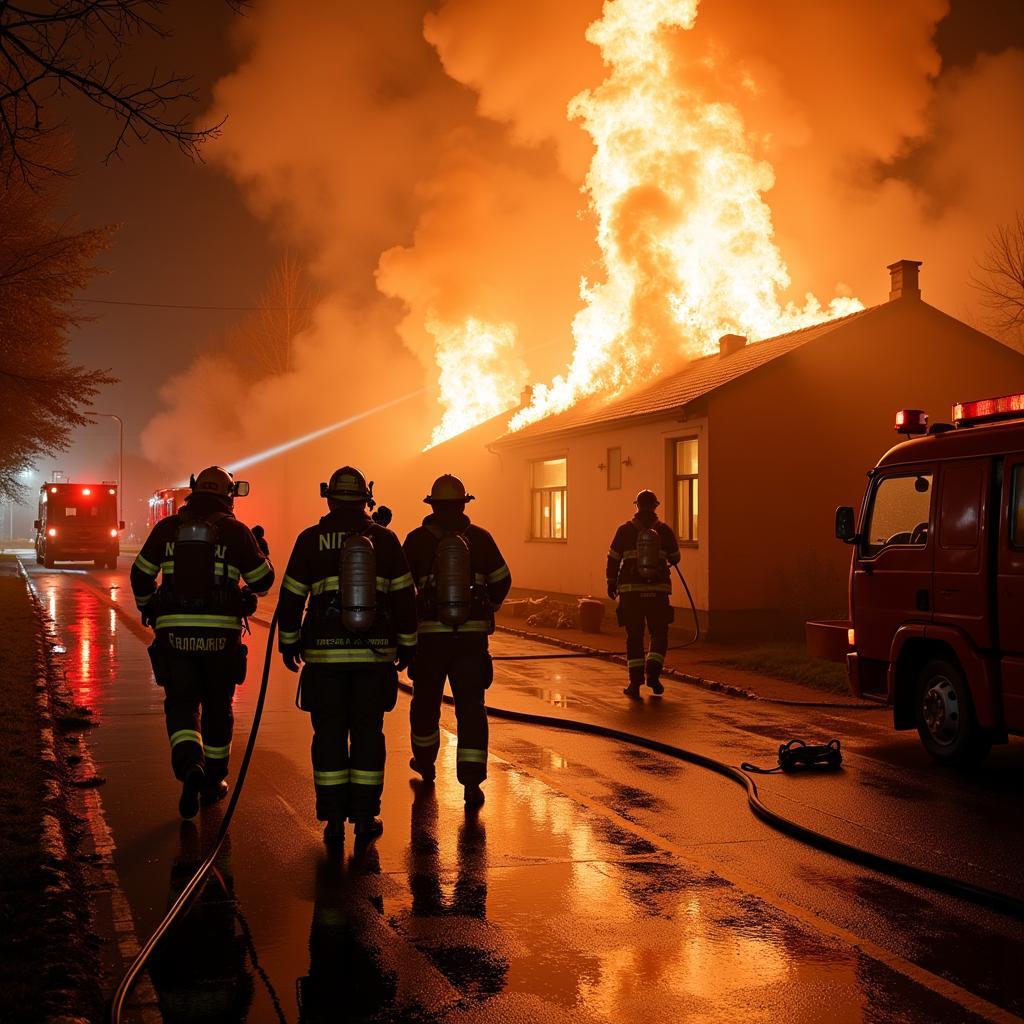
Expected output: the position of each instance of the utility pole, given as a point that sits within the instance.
(120, 459)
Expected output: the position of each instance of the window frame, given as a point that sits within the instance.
(675, 477)
(545, 493)
(1016, 486)
(865, 551)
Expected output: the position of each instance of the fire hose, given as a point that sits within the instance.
(184, 900)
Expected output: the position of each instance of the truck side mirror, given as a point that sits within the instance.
(846, 525)
(36, 524)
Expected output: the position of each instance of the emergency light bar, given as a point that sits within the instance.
(911, 421)
(987, 410)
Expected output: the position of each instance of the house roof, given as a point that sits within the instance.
(676, 390)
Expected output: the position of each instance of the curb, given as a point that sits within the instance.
(712, 685)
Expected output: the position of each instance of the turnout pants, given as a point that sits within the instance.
(637, 612)
(465, 662)
(198, 694)
(346, 705)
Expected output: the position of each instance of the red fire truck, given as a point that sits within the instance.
(936, 594)
(166, 502)
(78, 523)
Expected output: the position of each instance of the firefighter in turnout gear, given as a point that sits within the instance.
(202, 555)
(638, 569)
(358, 631)
(461, 580)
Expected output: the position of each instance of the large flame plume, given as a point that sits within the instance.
(684, 231)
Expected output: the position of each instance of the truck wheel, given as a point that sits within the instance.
(945, 716)
(48, 561)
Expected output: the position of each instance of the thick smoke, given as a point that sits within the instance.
(422, 155)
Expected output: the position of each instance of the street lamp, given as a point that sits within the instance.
(120, 458)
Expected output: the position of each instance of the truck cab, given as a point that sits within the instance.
(78, 523)
(936, 588)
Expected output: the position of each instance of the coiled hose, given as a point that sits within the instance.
(181, 904)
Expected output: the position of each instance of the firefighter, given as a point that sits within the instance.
(198, 611)
(642, 551)
(358, 631)
(461, 580)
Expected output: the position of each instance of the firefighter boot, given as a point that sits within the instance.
(474, 795)
(213, 792)
(656, 685)
(426, 771)
(188, 804)
(334, 831)
(636, 677)
(368, 827)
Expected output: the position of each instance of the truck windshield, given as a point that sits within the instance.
(899, 512)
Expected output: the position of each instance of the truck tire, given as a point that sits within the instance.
(48, 561)
(945, 717)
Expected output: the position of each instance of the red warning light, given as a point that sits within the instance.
(986, 410)
(53, 490)
(911, 421)
(87, 490)
(52, 531)
(111, 491)
(113, 533)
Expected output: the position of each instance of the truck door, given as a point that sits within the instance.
(1010, 591)
(962, 571)
(892, 576)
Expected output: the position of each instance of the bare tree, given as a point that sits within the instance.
(74, 47)
(263, 345)
(43, 263)
(1000, 280)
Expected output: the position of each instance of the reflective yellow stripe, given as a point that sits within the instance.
(655, 656)
(358, 656)
(143, 599)
(401, 582)
(185, 736)
(629, 554)
(634, 662)
(146, 566)
(288, 638)
(499, 574)
(383, 583)
(648, 588)
(473, 626)
(199, 621)
(479, 577)
(407, 639)
(294, 586)
(258, 573)
(426, 741)
(361, 778)
(338, 778)
(327, 583)
(217, 753)
(468, 754)
(612, 553)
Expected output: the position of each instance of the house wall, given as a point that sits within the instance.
(577, 565)
(794, 439)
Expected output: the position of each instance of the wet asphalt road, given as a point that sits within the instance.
(598, 883)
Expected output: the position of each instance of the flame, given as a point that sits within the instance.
(480, 374)
(685, 235)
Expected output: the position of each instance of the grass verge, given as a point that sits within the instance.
(46, 968)
(789, 661)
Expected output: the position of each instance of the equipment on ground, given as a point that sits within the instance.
(453, 580)
(796, 756)
(357, 576)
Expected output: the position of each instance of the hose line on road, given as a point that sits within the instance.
(181, 904)
(945, 884)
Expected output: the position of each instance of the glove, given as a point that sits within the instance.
(148, 618)
(405, 657)
(292, 655)
(249, 602)
(261, 540)
(613, 590)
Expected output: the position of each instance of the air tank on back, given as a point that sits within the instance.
(358, 584)
(648, 554)
(454, 580)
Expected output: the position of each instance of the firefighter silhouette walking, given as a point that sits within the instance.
(201, 555)
(358, 631)
(461, 580)
(638, 567)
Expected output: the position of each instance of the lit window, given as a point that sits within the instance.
(685, 503)
(548, 500)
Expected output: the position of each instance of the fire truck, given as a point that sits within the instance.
(166, 502)
(78, 523)
(936, 591)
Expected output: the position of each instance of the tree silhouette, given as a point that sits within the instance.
(1001, 280)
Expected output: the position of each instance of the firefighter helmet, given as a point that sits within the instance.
(217, 481)
(646, 501)
(448, 488)
(348, 484)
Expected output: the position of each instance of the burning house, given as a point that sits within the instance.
(751, 449)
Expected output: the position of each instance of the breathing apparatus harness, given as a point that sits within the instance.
(796, 756)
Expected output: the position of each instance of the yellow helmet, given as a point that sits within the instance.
(448, 488)
(348, 484)
(217, 481)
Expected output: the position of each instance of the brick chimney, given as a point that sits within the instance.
(526, 396)
(729, 343)
(903, 283)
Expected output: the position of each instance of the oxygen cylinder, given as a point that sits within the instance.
(195, 550)
(649, 561)
(358, 584)
(454, 580)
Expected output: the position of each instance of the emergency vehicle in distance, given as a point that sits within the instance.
(166, 502)
(936, 592)
(78, 523)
